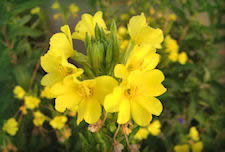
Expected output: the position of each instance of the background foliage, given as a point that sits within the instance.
(196, 91)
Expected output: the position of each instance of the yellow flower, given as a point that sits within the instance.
(55, 61)
(31, 102)
(152, 11)
(141, 134)
(57, 16)
(122, 30)
(55, 5)
(123, 45)
(73, 8)
(87, 25)
(58, 122)
(35, 10)
(197, 147)
(154, 128)
(173, 56)
(193, 133)
(23, 109)
(142, 58)
(181, 148)
(141, 33)
(88, 95)
(173, 17)
(171, 44)
(19, 92)
(11, 126)
(124, 16)
(39, 118)
(182, 58)
(136, 97)
(46, 93)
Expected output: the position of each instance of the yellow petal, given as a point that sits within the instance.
(93, 111)
(151, 104)
(105, 85)
(181, 148)
(111, 103)
(81, 111)
(140, 115)
(197, 147)
(120, 71)
(50, 79)
(124, 111)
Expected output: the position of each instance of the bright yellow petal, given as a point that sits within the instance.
(66, 29)
(111, 103)
(93, 111)
(50, 79)
(140, 115)
(120, 71)
(124, 111)
(81, 111)
(105, 85)
(49, 62)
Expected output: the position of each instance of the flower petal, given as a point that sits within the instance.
(111, 103)
(124, 111)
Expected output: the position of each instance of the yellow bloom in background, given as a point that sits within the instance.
(46, 93)
(39, 118)
(123, 45)
(141, 134)
(10, 126)
(152, 11)
(55, 5)
(171, 44)
(182, 58)
(173, 17)
(122, 30)
(23, 109)
(58, 122)
(141, 33)
(31, 102)
(193, 133)
(154, 127)
(88, 95)
(142, 58)
(19, 92)
(197, 147)
(124, 16)
(35, 10)
(173, 56)
(73, 8)
(181, 148)
(136, 97)
(57, 16)
(87, 25)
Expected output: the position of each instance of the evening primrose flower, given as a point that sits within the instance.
(171, 44)
(182, 58)
(87, 95)
(142, 58)
(39, 118)
(181, 148)
(23, 109)
(31, 102)
(154, 128)
(11, 126)
(141, 134)
(19, 92)
(58, 122)
(46, 93)
(35, 10)
(173, 17)
(87, 25)
(122, 30)
(197, 147)
(73, 8)
(193, 133)
(141, 33)
(173, 56)
(136, 97)
(55, 5)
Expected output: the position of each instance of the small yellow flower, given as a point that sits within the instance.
(39, 118)
(23, 109)
(193, 133)
(88, 95)
(31, 102)
(171, 44)
(173, 56)
(55, 5)
(19, 92)
(152, 11)
(35, 10)
(154, 128)
(73, 8)
(173, 17)
(141, 33)
(87, 25)
(11, 126)
(136, 97)
(122, 30)
(58, 122)
(141, 134)
(181, 148)
(182, 58)
(197, 147)
(46, 93)
(124, 17)
(123, 45)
